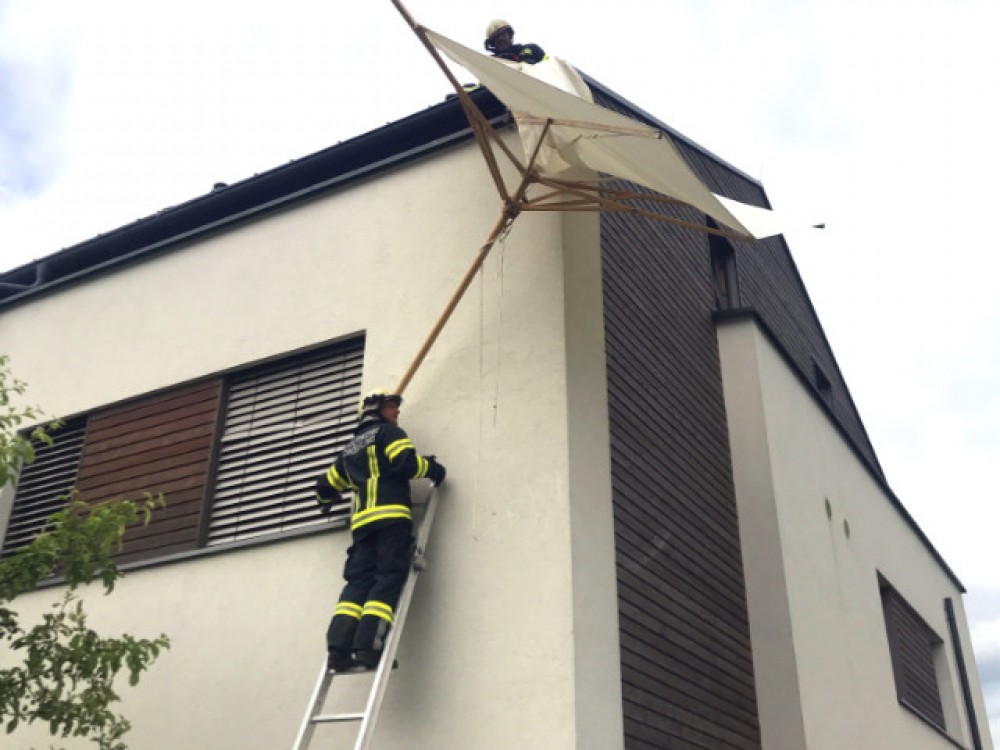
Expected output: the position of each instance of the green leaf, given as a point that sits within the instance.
(58, 670)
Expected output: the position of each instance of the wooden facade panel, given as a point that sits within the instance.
(181, 479)
(651, 579)
(682, 601)
(197, 398)
(679, 728)
(664, 628)
(157, 546)
(179, 519)
(687, 669)
(165, 462)
(700, 691)
(698, 428)
(675, 625)
(158, 444)
(641, 525)
(697, 698)
(151, 449)
(153, 432)
(638, 468)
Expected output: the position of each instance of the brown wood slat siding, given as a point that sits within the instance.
(678, 550)
(687, 672)
(161, 443)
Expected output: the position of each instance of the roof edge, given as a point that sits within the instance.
(655, 122)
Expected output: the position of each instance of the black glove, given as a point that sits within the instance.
(326, 506)
(435, 471)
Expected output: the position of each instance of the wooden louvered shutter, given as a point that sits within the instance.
(284, 424)
(42, 483)
(911, 645)
(158, 444)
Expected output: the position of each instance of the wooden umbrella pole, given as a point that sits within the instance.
(506, 218)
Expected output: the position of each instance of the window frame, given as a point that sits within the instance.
(901, 620)
(40, 507)
(351, 350)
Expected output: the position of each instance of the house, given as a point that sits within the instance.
(664, 524)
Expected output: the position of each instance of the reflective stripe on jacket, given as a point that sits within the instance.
(377, 464)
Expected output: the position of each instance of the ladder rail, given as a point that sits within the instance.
(367, 729)
(316, 701)
(382, 673)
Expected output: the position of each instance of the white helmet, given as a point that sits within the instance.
(497, 25)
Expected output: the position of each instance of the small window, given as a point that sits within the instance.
(914, 648)
(42, 485)
(284, 424)
(723, 257)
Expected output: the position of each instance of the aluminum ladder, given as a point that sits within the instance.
(369, 716)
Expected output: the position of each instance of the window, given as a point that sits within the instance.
(723, 257)
(283, 425)
(236, 456)
(914, 649)
(42, 484)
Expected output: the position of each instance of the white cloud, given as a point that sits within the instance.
(35, 77)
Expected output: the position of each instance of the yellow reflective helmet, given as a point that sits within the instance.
(373, 400)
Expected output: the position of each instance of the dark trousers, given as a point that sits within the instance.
(378, 563)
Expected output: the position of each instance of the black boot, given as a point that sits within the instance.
(339, 661)
(367, 659)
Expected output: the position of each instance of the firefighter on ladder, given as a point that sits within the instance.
(377, 465)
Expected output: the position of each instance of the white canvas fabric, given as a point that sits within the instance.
(584, 137)
(763, 222)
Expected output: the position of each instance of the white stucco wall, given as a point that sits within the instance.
(821, 655)
(512, 638)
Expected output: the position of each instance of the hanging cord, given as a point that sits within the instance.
(501, 241)
(482, 375)
(500, 278)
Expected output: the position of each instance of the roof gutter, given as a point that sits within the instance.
(250, 199)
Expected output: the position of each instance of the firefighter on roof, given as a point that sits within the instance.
(500, 41)
(377, 465)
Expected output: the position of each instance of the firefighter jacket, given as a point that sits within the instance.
(377, 465)
(526, 53)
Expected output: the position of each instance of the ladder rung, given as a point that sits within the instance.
(329, 718)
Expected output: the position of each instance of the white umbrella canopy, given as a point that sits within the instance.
(582, 136)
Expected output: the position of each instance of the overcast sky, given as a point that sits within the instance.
(880, 117)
